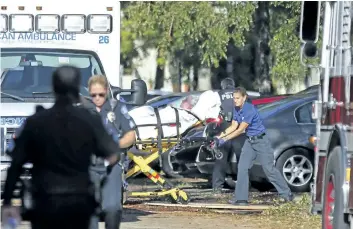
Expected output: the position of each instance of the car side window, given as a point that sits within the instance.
(303, 114)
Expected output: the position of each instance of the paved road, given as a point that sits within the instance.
(140, 220)
(139, 216)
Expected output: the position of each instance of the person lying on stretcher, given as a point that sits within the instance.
(187, 114)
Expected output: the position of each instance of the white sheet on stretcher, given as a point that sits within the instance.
(208, 106)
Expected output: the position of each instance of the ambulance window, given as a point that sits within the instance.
(9, 62)
(12, 77)
(96, 70)
(55, 61)
(28, 70)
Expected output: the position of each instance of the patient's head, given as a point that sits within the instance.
(188, 103)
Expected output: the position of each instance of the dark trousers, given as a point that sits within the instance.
(221, 165)
(262, 150)
(109, 195)
(63, 211)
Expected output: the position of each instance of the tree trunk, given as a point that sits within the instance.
(159, 81)
(195, 82)
(263, 52)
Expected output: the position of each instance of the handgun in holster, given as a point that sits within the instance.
(26, 195)
(97, 160)
(228, 116)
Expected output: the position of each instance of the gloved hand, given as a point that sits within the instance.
(219, 141)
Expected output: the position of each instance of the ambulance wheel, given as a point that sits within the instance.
(332, 214)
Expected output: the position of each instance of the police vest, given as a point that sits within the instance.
(227, 103)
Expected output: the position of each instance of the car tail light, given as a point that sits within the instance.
(315, 109)
(214, 120)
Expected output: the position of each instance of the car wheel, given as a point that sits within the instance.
(296, 166)
(333, 215)
(170, 166)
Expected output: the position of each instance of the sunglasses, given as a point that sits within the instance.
(99, 94)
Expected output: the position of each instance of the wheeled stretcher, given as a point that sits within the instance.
(149, 150)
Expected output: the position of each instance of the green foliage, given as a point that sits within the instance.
(285, 43)
(199, 31)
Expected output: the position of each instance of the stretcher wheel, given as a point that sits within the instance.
(174, 197)
(183, 198)
(179, 197)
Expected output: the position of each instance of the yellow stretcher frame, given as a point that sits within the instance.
(150, 147)
(142, 165)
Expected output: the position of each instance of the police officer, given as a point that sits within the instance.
(246, 118)
(121, 126)
(227, 105)
(59, 142)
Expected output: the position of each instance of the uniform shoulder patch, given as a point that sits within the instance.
(125, 111)
(111, 116)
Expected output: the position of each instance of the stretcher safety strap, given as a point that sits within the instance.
(159, 125)
(160, 134)
(177, 122)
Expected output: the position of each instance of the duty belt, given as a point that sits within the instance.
(97, 161)
(260, 136)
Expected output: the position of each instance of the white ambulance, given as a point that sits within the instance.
(36, 37)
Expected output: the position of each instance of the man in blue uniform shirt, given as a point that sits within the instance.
(247, 119)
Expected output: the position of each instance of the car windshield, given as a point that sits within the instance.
(27, 72)
(161, 101)
(186, 102)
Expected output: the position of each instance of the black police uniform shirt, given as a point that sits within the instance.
(123, 121)
(227, 102)
(59, 142)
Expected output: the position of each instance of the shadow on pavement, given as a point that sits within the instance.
(132, 215)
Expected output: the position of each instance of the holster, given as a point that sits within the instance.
(27, 199)
(97, 161)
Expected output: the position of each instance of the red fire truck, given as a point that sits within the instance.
(332, 188)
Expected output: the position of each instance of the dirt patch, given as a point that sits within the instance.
(285, 216)
(138, 215)
(187, 220)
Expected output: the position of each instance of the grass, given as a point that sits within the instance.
(294, 215)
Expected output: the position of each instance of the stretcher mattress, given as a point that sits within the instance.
(172, 121)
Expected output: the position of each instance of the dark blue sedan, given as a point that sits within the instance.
(289, 125)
